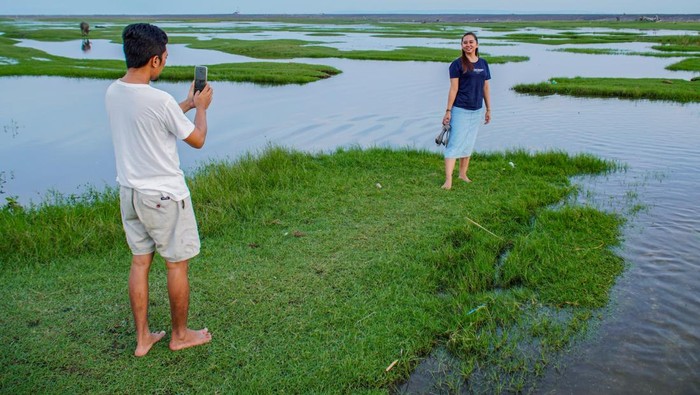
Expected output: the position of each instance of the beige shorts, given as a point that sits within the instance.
(158, 223)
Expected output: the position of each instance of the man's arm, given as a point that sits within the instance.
(201, 102)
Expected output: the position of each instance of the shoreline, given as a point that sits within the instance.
(389, 17)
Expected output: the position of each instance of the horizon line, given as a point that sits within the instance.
(352, 13)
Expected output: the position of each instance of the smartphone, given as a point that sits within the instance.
(200, 78)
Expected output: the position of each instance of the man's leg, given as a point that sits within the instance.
(179, 294)
(138, 295)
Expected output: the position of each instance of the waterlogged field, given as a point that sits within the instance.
(349, 270)
(300, 40)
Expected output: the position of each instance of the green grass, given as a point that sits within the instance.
(678, 48)
(677, 43)
(317, 271)
(17, 61)
(613, 25)
(689, 64)
(670, 46)
(570, 38)
(611, 51)
(288, 49)
(30, 61)
(626, 88)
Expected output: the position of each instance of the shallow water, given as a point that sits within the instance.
(55, 135)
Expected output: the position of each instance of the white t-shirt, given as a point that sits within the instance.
(146, 124)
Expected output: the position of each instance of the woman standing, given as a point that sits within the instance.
(469, 90)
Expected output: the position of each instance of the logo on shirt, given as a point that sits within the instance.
(478, 71)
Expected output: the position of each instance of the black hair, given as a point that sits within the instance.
(466, 64)
(142, 41)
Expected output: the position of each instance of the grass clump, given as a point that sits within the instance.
(676, 90)
(29, 61)
(15, 61)
(568, 25)
(611, 51)
(289, 49)
(317, 271)
(689, 64)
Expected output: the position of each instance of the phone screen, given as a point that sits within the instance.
(200, 78)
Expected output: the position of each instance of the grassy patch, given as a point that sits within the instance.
(289, 49)
(626, 88)
(678, 43)
(317, 271)
(277, 73)
(568, 25)
(611, 51)
(690, 64)
(29, 61)
(569, 38)
(677, 48)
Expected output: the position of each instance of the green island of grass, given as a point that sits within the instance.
(288, 49)
(676, 90)
(317, 272)
(689, 64)
(20, 61)
(17, 61)
(612, 51)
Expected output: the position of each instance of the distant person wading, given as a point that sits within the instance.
(469, 91)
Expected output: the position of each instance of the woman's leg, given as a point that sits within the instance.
(449, 169)
(463, 167)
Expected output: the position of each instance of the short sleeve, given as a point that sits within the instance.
(455, 69)
(176, 121)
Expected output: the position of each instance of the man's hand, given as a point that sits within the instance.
(188, 103)
(202, 99)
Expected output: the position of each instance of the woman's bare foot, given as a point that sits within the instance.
(190, 339)
(465, 179)
(143, 347)
(447, 185)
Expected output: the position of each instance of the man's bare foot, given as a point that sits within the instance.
(143, 347)
(447, 185)
(192, 338)
(465, 179)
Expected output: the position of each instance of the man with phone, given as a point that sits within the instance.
(155, 203)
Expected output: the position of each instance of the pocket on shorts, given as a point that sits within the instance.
(156, 202)
(157, 213)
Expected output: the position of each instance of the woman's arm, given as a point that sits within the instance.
(487, 101)
(451, 96)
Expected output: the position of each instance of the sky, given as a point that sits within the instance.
(146, 7)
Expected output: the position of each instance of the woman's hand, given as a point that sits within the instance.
(487, 117)
(447, 117)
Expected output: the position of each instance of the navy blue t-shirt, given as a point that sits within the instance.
(470, 95)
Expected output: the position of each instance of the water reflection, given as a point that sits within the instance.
(85, 45)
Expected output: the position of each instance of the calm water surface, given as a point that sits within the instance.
(56, 136)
